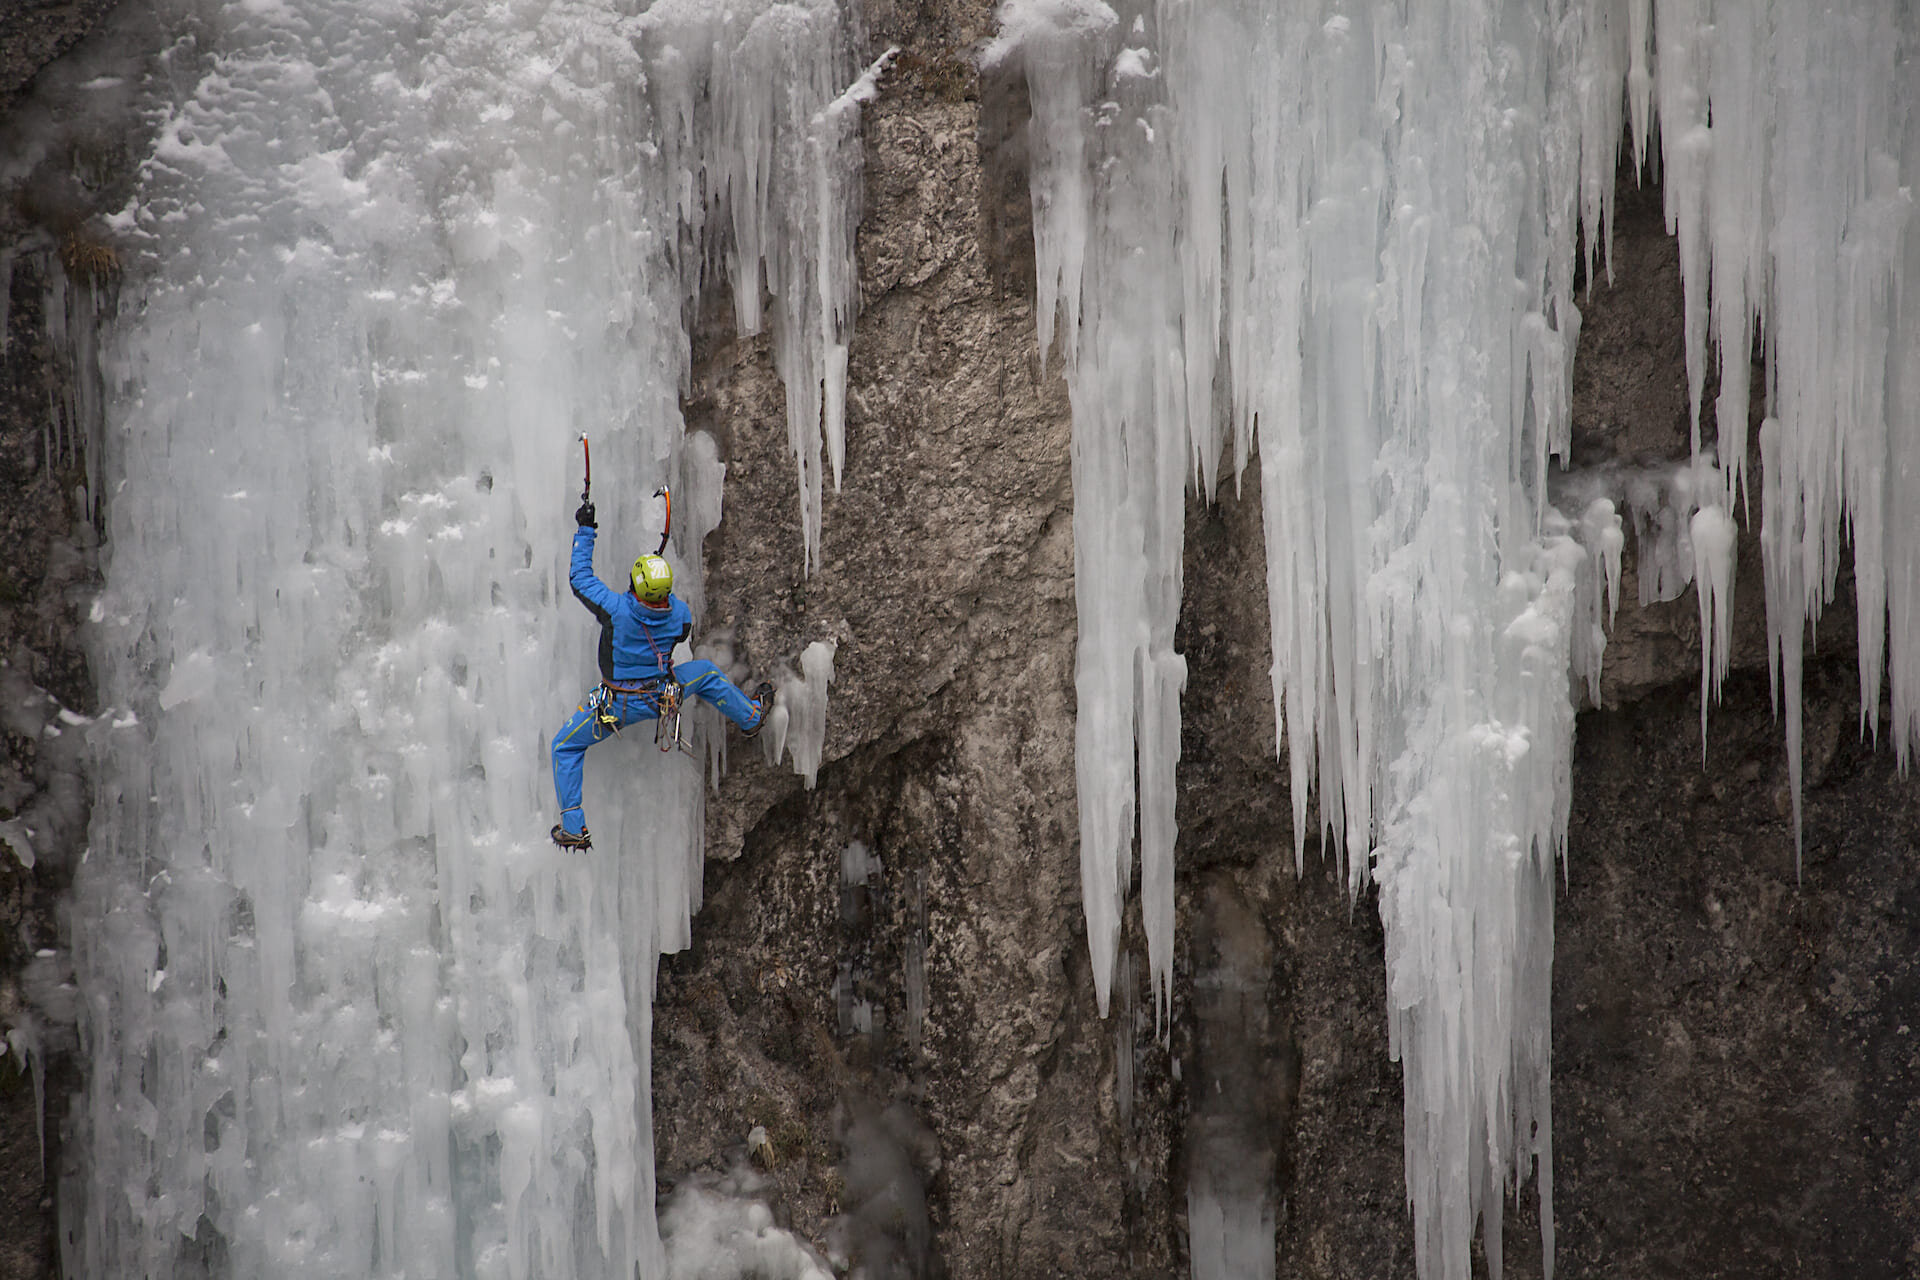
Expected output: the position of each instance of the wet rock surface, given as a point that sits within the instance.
(42, 568)
(58, 169)
(45, 570)
(912, 1033)
(1736, 1079)
(35, 32)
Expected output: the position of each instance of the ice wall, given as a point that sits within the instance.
(1109, 277)
(1347, 233)
(348, 1012)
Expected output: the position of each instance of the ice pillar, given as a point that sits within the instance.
(348, 1012)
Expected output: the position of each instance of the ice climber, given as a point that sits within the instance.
(638, 629)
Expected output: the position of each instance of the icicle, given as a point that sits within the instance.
(699, 500)
(1786, 632)
(836, 157)
(1800, 194)
(1713, 535)
(759, 126)
(1598, 593)
(1103, 207)
(1215, 209)
(797, 724)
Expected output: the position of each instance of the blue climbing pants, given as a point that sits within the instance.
(605, 711)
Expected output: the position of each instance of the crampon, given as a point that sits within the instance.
(568, 840)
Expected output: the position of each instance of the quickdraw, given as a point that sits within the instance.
(601, 701)
(666, 729)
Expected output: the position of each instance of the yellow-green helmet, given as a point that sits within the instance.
(652, 579)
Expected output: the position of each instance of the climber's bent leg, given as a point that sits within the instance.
(704, 679)
(570, 745)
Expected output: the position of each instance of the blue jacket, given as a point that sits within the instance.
(636, 641)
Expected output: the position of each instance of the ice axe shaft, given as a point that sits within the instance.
(667, 528)
(586, 489)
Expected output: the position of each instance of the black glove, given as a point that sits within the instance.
(584, 516)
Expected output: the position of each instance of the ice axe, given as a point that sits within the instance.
(586, 493)
(666, 726)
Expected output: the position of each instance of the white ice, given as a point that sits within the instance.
(797, 724)
(1793, 144)
(347, 1009)
(1347, 233)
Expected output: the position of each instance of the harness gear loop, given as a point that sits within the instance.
(602, 698)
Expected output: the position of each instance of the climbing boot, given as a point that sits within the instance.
(567, 840)
(762, 700)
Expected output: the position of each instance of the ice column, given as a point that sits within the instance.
(348, 1012)
(1108, 271)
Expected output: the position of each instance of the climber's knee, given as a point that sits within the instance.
(577, 733)
(699, 677)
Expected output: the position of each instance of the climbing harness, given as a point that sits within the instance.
(669, 700)
(603, 700)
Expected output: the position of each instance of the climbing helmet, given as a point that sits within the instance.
(652, 579)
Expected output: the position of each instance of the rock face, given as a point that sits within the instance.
(35, 32)
(1715, 1018)
(889, 975)
(54, 173)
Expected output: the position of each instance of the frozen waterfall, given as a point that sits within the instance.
(348, 1013)
(1346, 234)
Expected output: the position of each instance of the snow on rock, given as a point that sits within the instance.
(720, 1229)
